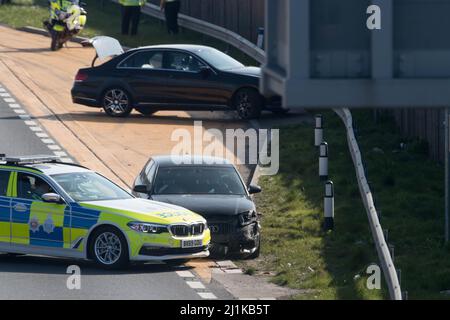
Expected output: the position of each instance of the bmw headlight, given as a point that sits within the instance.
(149, 228)
(247, 217)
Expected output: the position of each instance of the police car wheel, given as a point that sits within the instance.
(117, 103)
(108, 248)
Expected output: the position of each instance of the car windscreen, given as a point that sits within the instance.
(89, 186)
(218, 59)
(198, 180)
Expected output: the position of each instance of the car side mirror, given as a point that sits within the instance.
(140, 189)
(52, 198)
(254, 189)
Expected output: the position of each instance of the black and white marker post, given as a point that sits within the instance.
(318, 131)
(328, 206)
(323, 161)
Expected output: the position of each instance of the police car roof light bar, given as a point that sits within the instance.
(30, 159)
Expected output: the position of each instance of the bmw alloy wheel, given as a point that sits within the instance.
(107, 248)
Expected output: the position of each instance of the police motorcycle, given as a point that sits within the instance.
(68, 19)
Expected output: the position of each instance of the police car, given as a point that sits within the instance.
(66, 210)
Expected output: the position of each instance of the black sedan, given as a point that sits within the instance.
(212, 188)
(172, 77)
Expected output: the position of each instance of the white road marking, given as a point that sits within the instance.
(30, 123)
(19, 111)
(5, 95)
(9, 100)
(42, 135)
(2, 89)
(67, 160)
(185, 274)
(14, 105)
(36, 129)
(207, 295)
(54, 147)
(24, 117)
(60, 153)
(48, 141)
(195, 284)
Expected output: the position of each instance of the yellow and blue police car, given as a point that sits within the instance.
(66, 210)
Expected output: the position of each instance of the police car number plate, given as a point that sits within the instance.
(191, 243)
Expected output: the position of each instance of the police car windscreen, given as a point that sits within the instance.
(89, 186)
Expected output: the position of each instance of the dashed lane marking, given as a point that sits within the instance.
(34, 126)
(185, 274)
(207, 295)
(195, 284)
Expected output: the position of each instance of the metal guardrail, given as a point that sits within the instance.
(211, 30)
(387, 264)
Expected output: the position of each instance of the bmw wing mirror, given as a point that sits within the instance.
(140, 189)
(52, 198)
(254, 189)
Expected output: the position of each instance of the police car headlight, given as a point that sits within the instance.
(148, 227)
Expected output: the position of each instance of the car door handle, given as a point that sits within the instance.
(20, 207)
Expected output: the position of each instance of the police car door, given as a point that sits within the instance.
(35, 222)
(6, 179)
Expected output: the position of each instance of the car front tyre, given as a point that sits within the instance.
(108, 248)
(117, 103)
(248, 104)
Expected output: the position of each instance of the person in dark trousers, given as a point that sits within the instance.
(171, 9)
(131, 12)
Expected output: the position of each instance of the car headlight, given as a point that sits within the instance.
(247, 217)
(150, 228)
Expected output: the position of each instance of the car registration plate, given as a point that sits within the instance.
(191, 243)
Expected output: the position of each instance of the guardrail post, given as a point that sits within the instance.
(323, 161)
(260, 41)
(329, 206)
(318, 131)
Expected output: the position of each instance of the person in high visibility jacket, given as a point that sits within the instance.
(131, 13)
(58, 9)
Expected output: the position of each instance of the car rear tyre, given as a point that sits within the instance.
(145, 111)
(248, 104)
(108, 248)
(117, 103)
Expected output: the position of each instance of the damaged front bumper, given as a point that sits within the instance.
(233, 238)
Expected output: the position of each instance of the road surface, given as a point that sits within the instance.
(32, 277)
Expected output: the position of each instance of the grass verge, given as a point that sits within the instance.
(408, 190)
(105, 20)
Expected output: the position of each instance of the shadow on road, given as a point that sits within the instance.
(49, 265)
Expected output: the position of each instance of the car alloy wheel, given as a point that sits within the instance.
(245, 106)
(248, 104)
(107, 248)
(116, 103)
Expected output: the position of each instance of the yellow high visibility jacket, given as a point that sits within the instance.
(132, 2)
(56, 6)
